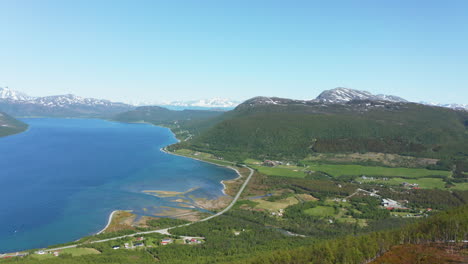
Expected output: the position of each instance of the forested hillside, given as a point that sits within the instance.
(9, 125)
(289, 129)
(184, 123)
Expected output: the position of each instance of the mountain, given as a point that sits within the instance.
(205, 103)
(10, 126)
(270, 127)
(8, 94)
(19, 104)
(463, 107)
(343, 95)
(159, 115)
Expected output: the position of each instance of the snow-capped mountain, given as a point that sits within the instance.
(452, 106)
(208, 103)
(20, 104)
(9, 94)
(343, 95)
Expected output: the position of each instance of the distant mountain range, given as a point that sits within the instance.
(19, 104)
(204, 103)
(337, 95)
(342, 95)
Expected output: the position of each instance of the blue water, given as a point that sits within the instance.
(61, 179)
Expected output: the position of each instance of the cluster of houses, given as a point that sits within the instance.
(54, 253)
(165, 241)
(280, 213)
(390, 204)
(138, 243)
(273, 163)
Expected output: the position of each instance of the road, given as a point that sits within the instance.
(165, 231)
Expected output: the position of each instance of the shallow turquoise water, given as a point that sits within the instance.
(62, 178)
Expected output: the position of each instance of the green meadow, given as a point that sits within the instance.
(425, 183)
(341, 170)
(337, 170)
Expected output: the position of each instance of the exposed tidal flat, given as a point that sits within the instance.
(62, 178)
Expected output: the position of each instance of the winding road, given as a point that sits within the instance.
(165, 231)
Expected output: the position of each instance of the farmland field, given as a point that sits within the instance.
(425, 183)
(321, 211)
(340, 170)
(337, 170)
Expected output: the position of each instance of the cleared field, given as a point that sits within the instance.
(80, 251)
(425, 183)
(340, 170)
(461, 186)
(274, 206)
(73, 251)
(202, 156)
(320, 211)
(277, 171)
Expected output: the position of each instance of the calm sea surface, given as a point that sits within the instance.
(61, 179)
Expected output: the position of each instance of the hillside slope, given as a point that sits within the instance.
(282, 128)
(10, 126)
(188, 122)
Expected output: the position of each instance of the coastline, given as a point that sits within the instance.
(109, 221)
(239, 175)
(164, 150)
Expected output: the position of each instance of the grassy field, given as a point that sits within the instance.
(73, 251)
(320, 211)
(425, 183)
(203, 156)
(278, 171)
(340, 170)
(275, 206)
(337, 170)
(461, 186)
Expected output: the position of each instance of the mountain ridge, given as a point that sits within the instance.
(19, 104)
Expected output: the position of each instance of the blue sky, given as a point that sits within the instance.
(181, 50)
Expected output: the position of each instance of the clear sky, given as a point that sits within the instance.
(180, 50)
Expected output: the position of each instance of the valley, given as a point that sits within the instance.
(323, 175)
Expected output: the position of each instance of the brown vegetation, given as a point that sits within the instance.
(424, 254)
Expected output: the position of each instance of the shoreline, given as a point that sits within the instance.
(164, 150)
(109, 221)
(239, 175)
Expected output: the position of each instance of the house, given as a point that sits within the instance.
(41, 252)
(390, 203)
(194, 241)
(115, 247)
(126, 245)
(166, 241)
(140, 238)
(269, 163)
(139, 245)
(281, 212)
(56, 253)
